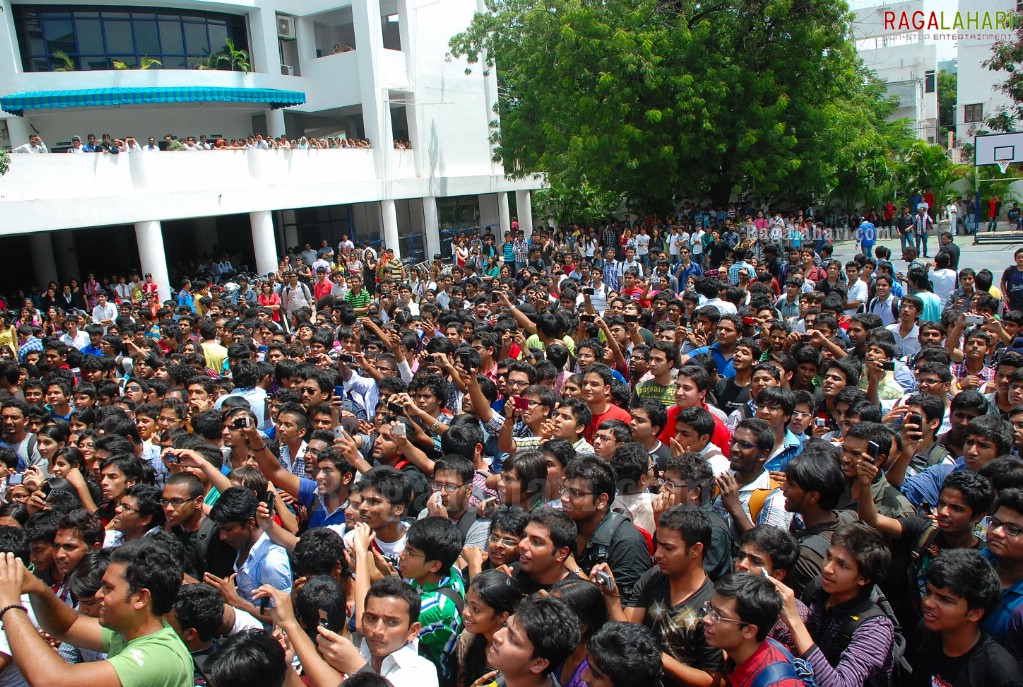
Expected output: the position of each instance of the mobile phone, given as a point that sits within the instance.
(171, 458)
(806, 338)
(586, 317)
(915, 419)
(262, 349)
(588, 291)
(520, 403)
(494, 298)
(926, 508)
(605, 580)
(488, 506)
(974, 319)
(888, 365)
(874, 451)
(15, 479)
(271, 502)
(821, 422)
(262, 605)
(396, 407)
(749, 321)
(632, 318)
(398, 429)
(345, 358)
(243, 422)
(339, 391)
(340, 433)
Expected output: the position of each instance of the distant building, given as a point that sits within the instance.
(900, 58)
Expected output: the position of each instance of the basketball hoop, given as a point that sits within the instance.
(1003, 165)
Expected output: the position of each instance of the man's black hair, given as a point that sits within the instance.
(321, 593)
(777, 543)
(968, 575)
(975, 490)
(627, 653)
(235, 505)
(15, 540)
(563, 530)
(757, 601)
(597, 471)
(818, 473)
(318, 552)
(396, 588)
(150, 566)
(438, 538)
(690, 523)
(200, 607)
(252, 658)
(551, 627)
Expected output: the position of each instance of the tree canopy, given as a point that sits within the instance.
(1006, 57)
(658, 100)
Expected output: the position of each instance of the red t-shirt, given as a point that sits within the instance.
(721, 438)
(613, 412)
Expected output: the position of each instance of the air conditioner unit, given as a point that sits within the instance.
(287, 70)
(285, 27)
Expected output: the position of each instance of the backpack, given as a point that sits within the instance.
(818, 543)
(302, 287)
(873, 301)
(873, 606)
(757, 499)
(790, 669)
(600, 543)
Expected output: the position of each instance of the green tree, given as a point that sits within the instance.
(657, 100)
(925, 166)
(1006, 57)
(947, 96)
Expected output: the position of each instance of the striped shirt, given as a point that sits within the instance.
(358, 300)
(441, 621)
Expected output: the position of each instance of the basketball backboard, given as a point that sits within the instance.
(998, 149)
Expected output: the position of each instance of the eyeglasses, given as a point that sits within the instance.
(575, 493)
(674, 485)
(410, 553)
(176, 503)
(448, 488)
(125, 508)
(743, 444)
(511, 543)
(715, 616)
(1011, 529)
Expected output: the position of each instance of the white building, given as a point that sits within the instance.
(372, 69)
(904, 61)
(978, 97)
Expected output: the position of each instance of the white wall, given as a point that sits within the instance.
(977, 84)
(61, 125)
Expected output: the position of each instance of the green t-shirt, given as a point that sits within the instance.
(156, 660)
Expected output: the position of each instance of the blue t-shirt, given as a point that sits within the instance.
(318, 517)
(725, 368)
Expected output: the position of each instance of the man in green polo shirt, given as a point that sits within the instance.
(357, 296)
(138, 588)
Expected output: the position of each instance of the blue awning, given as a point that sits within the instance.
(18, 103)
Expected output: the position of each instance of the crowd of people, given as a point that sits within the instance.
(591, 457)
(110, 145)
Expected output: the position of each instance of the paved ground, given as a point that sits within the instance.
(993, 257)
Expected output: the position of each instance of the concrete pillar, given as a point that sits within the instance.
(389, 222)
(149, 236)
(431, 226)
(43, 262)
(67, 255)
(204, 231)
(489, 215)
(19, 131)
(275, 123)
(376, 115)
(263, 241)
(504, 213)
(524, 203)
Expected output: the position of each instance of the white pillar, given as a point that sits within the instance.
(275, 123)
(67, 255)
(263, 241)
(42, 258)
(149, 236)
(524, 203)
(504, 213)
(376, 114)
(432, 226)
(389, 220)
(19, 131)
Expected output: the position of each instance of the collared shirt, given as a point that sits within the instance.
(441, 622)
(152, 455)
(790, 448)
(725, 368)
(996, 623)
(267, 563)
(986, 374)
(296, 466)
(404, 667)
(317, 507)
(773, 511)
(746, 673)
(908, 345)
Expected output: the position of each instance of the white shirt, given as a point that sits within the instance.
(944, 282)
(80, 341)
(11, 675)
(99, 313)
(405, 667)
(857, 292)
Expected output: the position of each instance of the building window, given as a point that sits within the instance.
(974, 113)
(929, 84)
(82, 38)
